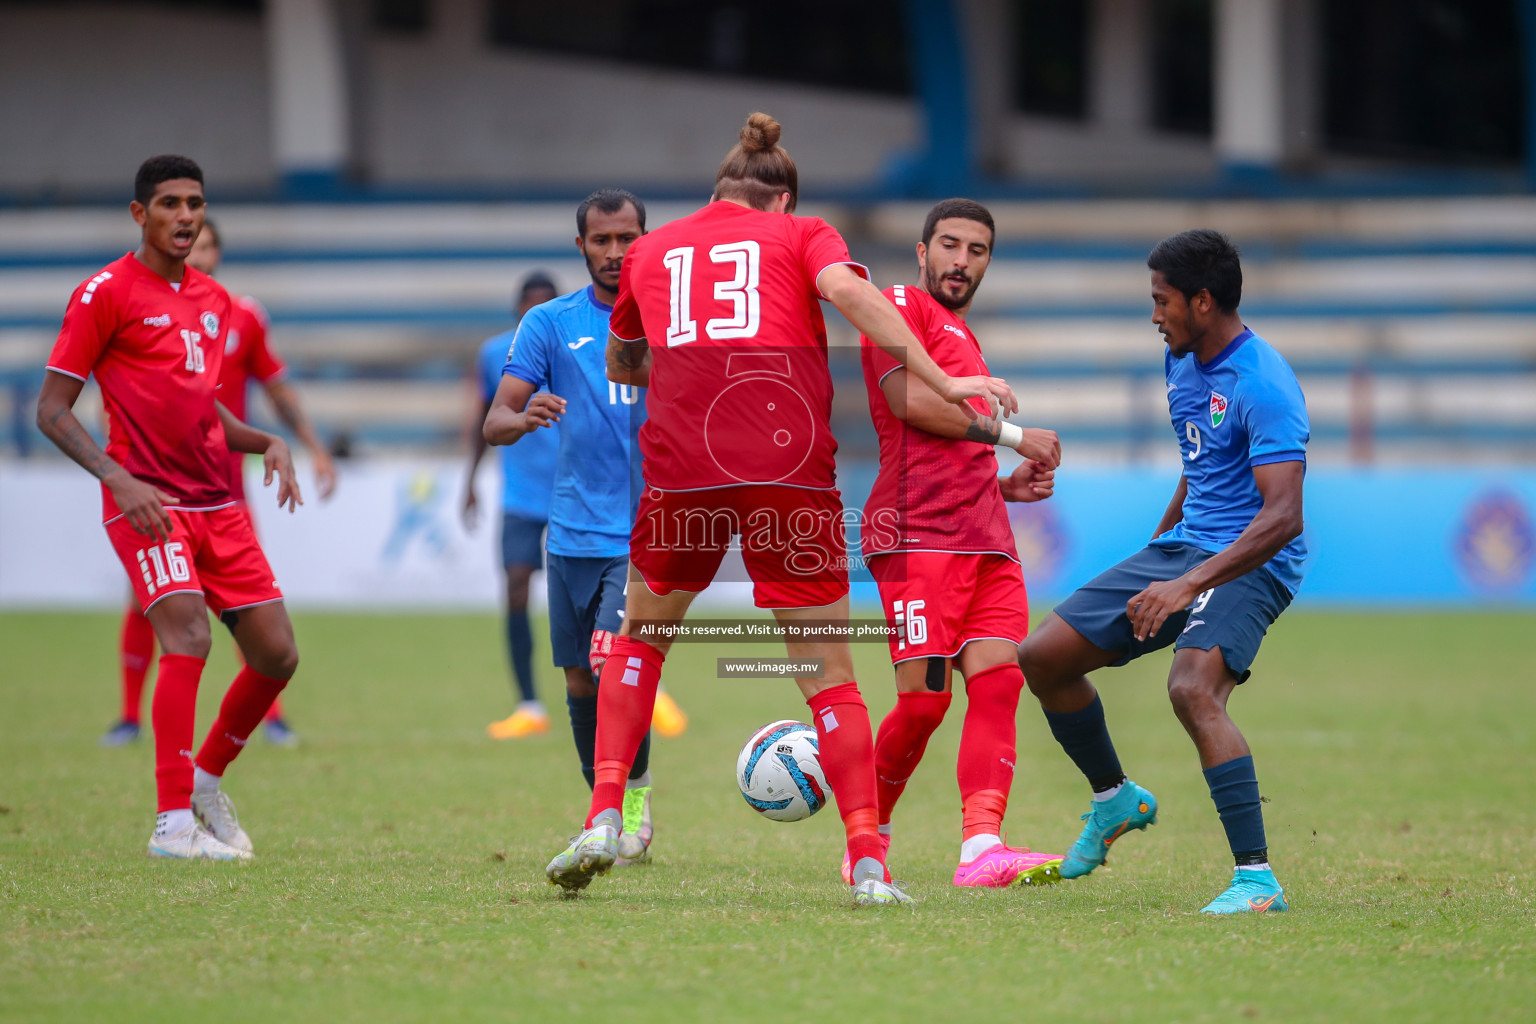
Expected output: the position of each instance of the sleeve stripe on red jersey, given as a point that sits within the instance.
(629, 341)
(887, 373)
(858, 268)
(91, 286)
(66, 373)
(899, 294)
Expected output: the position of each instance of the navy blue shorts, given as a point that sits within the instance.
(585, 595)
(1233, 616)
(522, 541)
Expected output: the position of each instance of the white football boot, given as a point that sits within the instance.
(591, 853)
(193, 842)
(217, 815)
(872, 892)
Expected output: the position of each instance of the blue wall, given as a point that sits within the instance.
(1437, 536)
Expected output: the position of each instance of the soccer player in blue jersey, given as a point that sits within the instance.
(527, 479)
(560, 346)
(1223, 563)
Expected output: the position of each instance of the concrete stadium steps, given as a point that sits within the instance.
(380, 307)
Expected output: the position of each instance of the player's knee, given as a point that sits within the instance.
(1191, 697)
(192, 639)
(284, 662)
(1038, 672)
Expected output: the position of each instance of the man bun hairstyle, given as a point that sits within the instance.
(157, 169)
(964, 209)
(756, 171)
(608, 200)
(1201, 259)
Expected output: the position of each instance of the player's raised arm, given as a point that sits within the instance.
(869, 311)
(516, 411)
(277, 460)
(915, 403)
(142, 504)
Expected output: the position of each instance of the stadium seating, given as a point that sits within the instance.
(1411, 322)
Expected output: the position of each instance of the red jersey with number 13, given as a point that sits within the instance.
(156, 353)
(739, 391)
(933, 493)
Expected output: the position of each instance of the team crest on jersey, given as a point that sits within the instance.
(1218, 409)
(210, 324)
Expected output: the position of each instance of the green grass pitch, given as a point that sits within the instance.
(400, 852)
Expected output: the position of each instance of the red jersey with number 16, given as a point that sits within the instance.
(247, 357)
(156, 353)
(739, 389)
(932, 493)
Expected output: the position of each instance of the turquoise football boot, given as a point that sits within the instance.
(1251, 892)
(1133, 808)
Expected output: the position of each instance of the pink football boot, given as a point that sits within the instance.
(1002, 866)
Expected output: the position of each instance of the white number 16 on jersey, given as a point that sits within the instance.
(740, 291)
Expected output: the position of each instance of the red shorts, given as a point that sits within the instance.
(936, 602)
(792, 541)
(211, 553)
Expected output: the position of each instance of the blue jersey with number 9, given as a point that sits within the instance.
(1242, 409)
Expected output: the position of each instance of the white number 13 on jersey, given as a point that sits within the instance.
(740, 291)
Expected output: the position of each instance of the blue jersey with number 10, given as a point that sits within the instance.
(1242, 409)
(561, 346)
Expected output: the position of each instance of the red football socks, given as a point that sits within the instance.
(848, 759)
(900, 743)
(173, 713)
(987, 747)
(626, 698)
(275, 712)
(135, 649)
(246, 702)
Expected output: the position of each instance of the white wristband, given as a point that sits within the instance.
(1009, 435)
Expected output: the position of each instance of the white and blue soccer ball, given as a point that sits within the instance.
(779, 772)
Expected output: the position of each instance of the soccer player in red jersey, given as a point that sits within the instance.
(247, 357)
(936, 537)
(153, 331)
(718, 315)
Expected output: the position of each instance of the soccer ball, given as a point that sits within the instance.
(779, 772)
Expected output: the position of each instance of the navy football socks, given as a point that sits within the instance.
(1085, 738)
(584, 730)
(1235, 790)
(520, 647)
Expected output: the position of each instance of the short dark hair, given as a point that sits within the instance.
(534, 282)
(1202, 259)
(157, 169)
(608, 200)
(965, 209)
(213, 232)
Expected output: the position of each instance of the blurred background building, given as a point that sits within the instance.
(385, 171)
